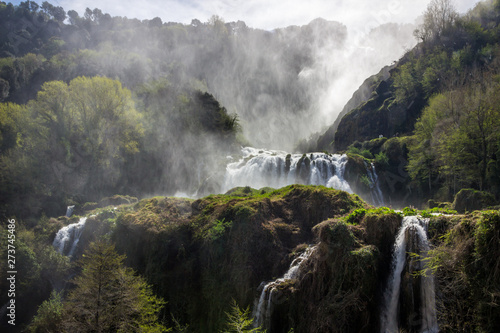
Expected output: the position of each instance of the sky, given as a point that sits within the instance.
(264, 14)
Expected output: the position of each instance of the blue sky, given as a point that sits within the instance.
(263, 14)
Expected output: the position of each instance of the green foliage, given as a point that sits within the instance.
(83, 130)
(382, 159)
(421, 155)
(240, 321)
(409, 211)
(454, 138)
(366, 154)
(110, 297)
(365, 181)
(405, 83)
(425, 214)
(218, 229)
(465, 266)
(353, 150)
(379, 211)
(442, 210)
(487, 242)
(49, 315)
(356, 216)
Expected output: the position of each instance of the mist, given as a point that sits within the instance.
(207, 85)
(286, 73)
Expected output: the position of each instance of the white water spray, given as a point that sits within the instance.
(263, 310)
(269, 168)
(390, 315)
(69, 234)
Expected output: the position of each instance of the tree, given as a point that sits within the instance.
(49, 315)
(240, 321)
(457, 138)
(439, 16)
(56, 12)
(88, 128)
(74, 18)
(108, 297)
(421, 153)
(481, 124)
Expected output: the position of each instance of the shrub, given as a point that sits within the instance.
(356, 216)
(382, 159)
(367, 154)
(409, 211)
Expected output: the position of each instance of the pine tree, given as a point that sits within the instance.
(109, 297)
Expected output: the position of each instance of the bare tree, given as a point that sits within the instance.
(439, 15)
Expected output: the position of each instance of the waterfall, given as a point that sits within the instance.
(415, 310)
(69, 210)
(376, 192)
(269, 295)
(268, 168)
(67, 235)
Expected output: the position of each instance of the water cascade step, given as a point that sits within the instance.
(376, 193)
(409, 300)
(270, 168)
(269, 296)
(69, 210)
(67, 238)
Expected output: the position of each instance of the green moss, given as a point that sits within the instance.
(223, 246)
(409, 211)
(356, 216)
(487, 242)
(248, 191)
(470, 200)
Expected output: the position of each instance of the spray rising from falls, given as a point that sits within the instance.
(410, 298)
(67, 238)
(263, 168)
(270, 294)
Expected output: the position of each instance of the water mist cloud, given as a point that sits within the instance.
(355, 14)
(340, 55)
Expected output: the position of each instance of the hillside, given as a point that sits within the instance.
(438, 97)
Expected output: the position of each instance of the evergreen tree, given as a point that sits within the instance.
(240, 321)
(109, 297)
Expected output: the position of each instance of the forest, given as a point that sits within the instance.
(117, 136)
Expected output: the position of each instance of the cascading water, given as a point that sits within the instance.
(69, 210)
(376, 192)
(264, 307)
(410, 299)
(266, 168)
(67, 235)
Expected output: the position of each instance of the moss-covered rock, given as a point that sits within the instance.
(466, 263)
(117, 200)
(468, 200)
(337, 290)
(201, 254)
(437, 204)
